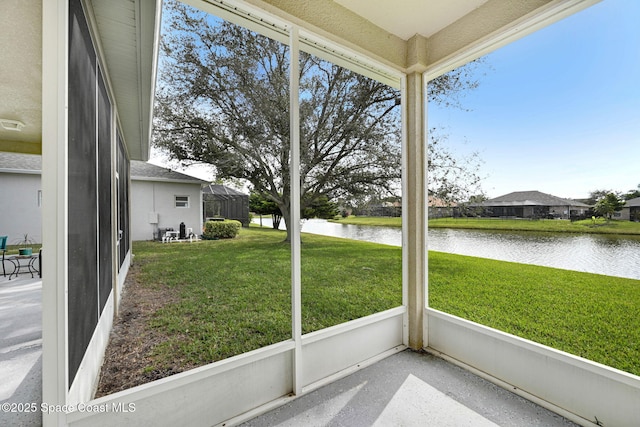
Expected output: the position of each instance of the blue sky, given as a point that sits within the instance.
(559, 110)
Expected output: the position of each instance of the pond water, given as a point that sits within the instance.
(598, 253)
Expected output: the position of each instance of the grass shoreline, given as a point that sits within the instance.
(234, 296)
(588, 226)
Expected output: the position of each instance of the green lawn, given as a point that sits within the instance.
(235, 296)
(371, 220)
(589, 315)
(599, 226)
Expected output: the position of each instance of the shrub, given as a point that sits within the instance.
(227, 229)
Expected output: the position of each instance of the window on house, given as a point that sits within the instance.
(182, 201)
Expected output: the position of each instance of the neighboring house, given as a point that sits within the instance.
(382, 208)
(532, 204)
(161, 199)
(223, 202)
(439, 208)
(631, 210)
(21, 197)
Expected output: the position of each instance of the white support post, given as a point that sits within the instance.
(54, 208)
(416, 204)
(425, 210)
(405, 210)
(294, 172)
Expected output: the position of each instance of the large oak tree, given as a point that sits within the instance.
(223, 99)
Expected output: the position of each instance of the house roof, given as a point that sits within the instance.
(531, 198)
(632, 203)
(221, 190)
(20, 163)
(140, 171)
(143, 171)
(436, 202)
(129, 33)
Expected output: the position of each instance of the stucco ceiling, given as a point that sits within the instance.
(419, 35)
(406, 18)
(126, 29)
(21, 74)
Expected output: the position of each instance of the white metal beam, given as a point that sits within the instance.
(54, 207)
(294, 172)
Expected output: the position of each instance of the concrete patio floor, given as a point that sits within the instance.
(20, 348)
(410, 389)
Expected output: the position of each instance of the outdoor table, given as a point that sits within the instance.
(22, 262)
(170, 235)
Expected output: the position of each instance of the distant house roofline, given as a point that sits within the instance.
(631, 203)
(221, 190)
(436, 202)
(144, 171)
(140, 171)
(530, 198)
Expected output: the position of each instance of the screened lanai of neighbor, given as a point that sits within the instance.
(79, 89)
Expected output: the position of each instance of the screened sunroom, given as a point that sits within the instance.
(398, 47)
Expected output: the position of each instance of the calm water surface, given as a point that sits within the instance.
(601, 254)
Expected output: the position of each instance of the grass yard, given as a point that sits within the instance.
(371, 220)
(599, 226)
(589, 315)
(234, 296)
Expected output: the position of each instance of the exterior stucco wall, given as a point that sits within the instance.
(149, 197)
(629, 213)
(624, 214)
(20, 210)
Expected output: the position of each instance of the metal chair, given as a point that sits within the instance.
(3, 248)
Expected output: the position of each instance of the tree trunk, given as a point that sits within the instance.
(286, 215)
(275, 221)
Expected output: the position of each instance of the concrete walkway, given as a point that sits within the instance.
(411, 389)
(20, 350)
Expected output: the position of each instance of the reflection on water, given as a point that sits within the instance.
(601, 254)
(386, 235)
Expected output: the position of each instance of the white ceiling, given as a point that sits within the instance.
(126, 29)
(21, 70)
(410, 17)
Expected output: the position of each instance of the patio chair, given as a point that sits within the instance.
(3, 248)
